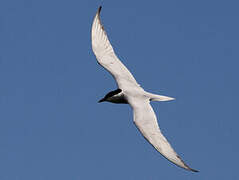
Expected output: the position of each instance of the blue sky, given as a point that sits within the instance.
(51, 126)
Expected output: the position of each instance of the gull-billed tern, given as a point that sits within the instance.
(130, 92)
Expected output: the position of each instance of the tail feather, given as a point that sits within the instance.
(156, 97)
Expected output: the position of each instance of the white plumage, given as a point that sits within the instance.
(130, 92)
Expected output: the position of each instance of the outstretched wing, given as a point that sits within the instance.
(146, 122)
(106, 57)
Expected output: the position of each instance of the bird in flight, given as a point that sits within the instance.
(130, 92)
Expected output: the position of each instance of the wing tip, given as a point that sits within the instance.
(190, 169)
(186, 166)
(98, 17)
(193, 170)
(99, 9)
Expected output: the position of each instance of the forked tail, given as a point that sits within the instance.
(156, 97)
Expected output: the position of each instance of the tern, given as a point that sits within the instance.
(130, 92)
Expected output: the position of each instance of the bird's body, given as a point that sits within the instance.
(130, 92)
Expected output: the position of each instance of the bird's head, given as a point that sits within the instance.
(115, 96)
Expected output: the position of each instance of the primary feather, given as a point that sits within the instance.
(146, 121)
(106, 57)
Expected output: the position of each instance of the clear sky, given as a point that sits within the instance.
(51, 126)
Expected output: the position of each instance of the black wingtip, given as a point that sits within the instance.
(186, 166)
(194, 170)
(99, 9)
(190, 169)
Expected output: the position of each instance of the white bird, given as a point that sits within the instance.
(130, 92)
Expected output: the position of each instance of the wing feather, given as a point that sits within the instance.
(106, 57)
(146, 121)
